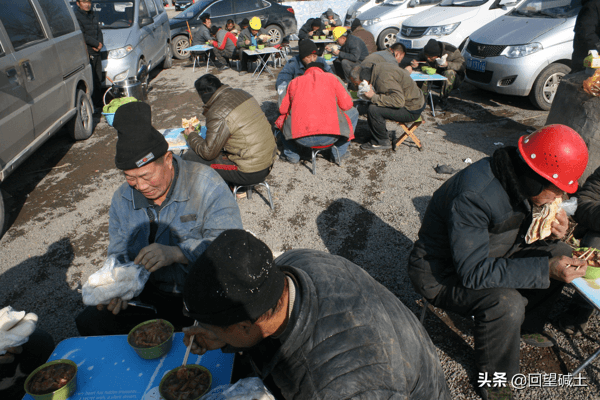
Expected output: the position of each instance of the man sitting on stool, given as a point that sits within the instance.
(250, 36)
(239, 142)
(394, 95)
(224, 45)
(352, 52)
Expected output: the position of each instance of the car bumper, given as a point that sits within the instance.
(121, 68)
(513, 76)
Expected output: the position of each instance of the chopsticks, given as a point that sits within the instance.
(187, 351)
(585, 256)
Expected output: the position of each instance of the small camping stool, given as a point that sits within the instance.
(316, 150)
(409, 132)
(250, 188)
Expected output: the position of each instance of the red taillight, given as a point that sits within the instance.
(291, 10)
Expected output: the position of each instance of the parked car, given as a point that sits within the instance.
(135, 33)
(525, 53)
(357, 8)
(452, 21)
(384, 21)
(278, 20)
(46, 80)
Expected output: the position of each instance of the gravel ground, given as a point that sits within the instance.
(368, 210)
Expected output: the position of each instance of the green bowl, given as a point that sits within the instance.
(592, 272)
(323, 37)
(354, 94)
(148, 353)
(327, 56)
(174, 371)
(252, 47)
(315, 37)
(60, 394)
(261, 46)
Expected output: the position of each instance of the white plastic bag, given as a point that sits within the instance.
(15, 328)
(244, 389)
(570, 206)
(363, 88)
(114, 280)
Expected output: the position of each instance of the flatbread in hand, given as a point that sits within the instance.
(185, 123)
(541, 226)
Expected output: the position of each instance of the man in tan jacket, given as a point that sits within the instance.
(393, 94)
(239, 143)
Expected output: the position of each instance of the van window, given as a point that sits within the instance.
(143, 11)
(220, 9)
(21, 23)
(58, 17)
(151, 7)
(114, 14)
(247, 6)
(159, 6)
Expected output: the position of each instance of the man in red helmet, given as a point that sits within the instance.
(471, 257)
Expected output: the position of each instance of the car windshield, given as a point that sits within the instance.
(193, 10)
(114, 14)
(548, 8)
(462, 3)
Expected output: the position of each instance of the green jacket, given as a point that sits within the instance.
(394, 88)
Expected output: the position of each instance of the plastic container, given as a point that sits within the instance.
(592, 272)
(109, 118)
(327, 56)
(252, 48)
(59, 394)
(323, 37)
(315, 37)
(261, 46)
(149, 353)
(174, 371)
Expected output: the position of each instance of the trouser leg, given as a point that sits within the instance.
(353, 115)
(376, 117)
(97, 93)
(452, 83)
(219, 57)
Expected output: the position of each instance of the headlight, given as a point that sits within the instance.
(522, 50)
(441, 30)
(120, 53)
(121, 76)
(371, 21)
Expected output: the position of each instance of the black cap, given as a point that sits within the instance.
(234, 280)
(355, 24)
(306, 47)
(138, 143)
(433, 48)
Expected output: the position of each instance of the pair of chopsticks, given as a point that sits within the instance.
(585, 256)
(187, 351)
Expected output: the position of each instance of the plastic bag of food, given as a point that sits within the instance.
(114, 279)
(116, 103)
(570, 206)
(363, 88)
(15, 327)
(244, 389)
(592, 84)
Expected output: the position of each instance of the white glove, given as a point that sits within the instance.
(441, 61)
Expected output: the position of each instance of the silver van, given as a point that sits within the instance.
(136, 32)
(45, 79)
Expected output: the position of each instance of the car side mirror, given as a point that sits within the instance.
(146, 21)
(414, 3)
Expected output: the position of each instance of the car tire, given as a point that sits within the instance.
(81, 126)
(276, 34)
(168, 61)
(545, 85)
(177, 44)
(387, 38)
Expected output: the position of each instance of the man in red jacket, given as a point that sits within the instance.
(224, 45)
(316, 111)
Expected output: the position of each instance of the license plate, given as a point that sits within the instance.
(406, 43)
(476, 65)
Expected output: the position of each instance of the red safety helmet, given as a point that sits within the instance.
(557, 153)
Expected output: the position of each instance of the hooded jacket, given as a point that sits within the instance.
(456, 62)
(350, 338)
(394, 88)
(306, 28)
(236, 124)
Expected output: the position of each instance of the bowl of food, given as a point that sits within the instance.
(151, 339)
(55, 380)
(593, 260)
(188, 382)
(428, 70)
(261, 46)
(323, 37)
(327, 56)
(252, 48)
(315, 37)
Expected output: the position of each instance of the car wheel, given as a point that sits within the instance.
(168, 61)
(81, 126)
(387, 38)
(178, 44)
(276, 34)
(545, 85)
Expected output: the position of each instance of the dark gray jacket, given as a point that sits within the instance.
(202, 35)
(351, 338)
(588, 206)
(90, 27)
(469, 230)
(354, 50)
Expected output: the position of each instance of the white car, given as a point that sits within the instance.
(452, 21)
(357, 8)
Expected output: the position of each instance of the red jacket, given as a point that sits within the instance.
(314, 105)
(228, 36)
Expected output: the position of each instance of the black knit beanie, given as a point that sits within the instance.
(355, 24)
(245, 22)
(234, 280)
(306, 47)
(316, 23)
(432, 48)
(138, 142)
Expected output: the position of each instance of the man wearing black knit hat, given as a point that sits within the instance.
(364, 35)
(317, 324)
(307, 53)
(163, 218)
(447, 61)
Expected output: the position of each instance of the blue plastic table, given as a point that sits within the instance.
(200, 48)
(423, 77)
(172, 134)
(109, 369)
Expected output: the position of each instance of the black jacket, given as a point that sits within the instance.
(456, 62)
(350, 338)
(472, 225)
(587, 32)
(588, 205)
(354, 49)
(90, 26)
(307, 27)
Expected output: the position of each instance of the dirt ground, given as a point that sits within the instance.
(368, 210)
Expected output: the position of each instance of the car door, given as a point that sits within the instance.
(16, 120)
(38, 60)
(220, 11)
(147, 37)
(156, 47)
(163, 30)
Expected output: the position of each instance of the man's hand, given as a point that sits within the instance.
(98, 48)
(247, 42)
(335, 51)
(408, 68)
(561, 225)
(370, 93)
(9, 357)
(204, 340)
(311, 33)
(414, 64)
(564, 269)
(115, 306)
(156, 256)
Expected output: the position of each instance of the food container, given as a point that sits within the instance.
(315, 37)
(261, 46)
(109, 118)
(323, 37)
(59, 394)
(148, 353)
(252, 48)
(592, 272)
(354, 94)
(174, 371)
(327, 56)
